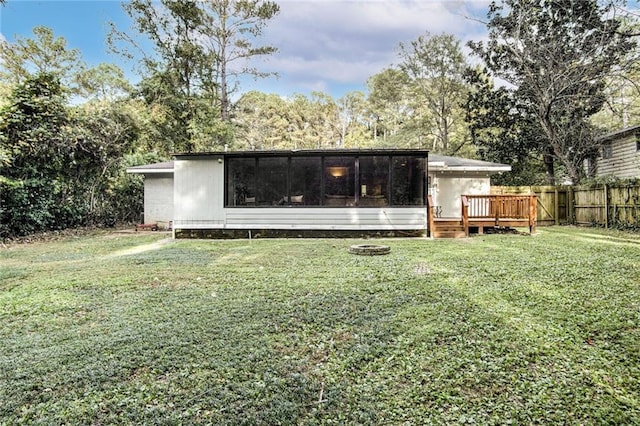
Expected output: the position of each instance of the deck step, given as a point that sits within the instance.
(448, 228)
(449, 234)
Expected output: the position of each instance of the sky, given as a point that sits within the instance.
(331, 46)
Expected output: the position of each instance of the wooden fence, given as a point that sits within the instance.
(604, 205)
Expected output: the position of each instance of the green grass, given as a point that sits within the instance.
(495, 329)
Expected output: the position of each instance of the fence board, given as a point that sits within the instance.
(604, 205)
(552, 201)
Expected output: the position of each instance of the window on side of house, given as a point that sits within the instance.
(374, 181)
(272, 181)
(306, 181)
(241, 182)
(339, 182)
(607, 151)
(638, 141)
(407, 181)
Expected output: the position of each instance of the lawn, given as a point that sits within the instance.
(495, 329)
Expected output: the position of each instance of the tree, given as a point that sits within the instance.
(45, 54)
(192, 70)
(35, 159)
(388, 100)
(353, 120)
(435, 66)
(177, 70)
(104, 82)
(556, 55)
(502, 131)
(103, 136)
(233, 28)
(262, 121)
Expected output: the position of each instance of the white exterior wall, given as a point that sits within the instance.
(198, 192)
(624, 161)
(199, 204)
(158, 199)
(449, 187)
(328, 218)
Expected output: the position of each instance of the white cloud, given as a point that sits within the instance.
(323, 43)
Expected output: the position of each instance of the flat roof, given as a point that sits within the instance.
(445, 162)
(164, 167)
(436, 162)
(307, 152)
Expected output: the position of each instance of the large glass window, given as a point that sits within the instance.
(335, 181)
(272, 181)
(407, 177)
(339, 181)
(374, 181)
(306, 181)
(241, 182)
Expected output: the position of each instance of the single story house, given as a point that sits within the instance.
(619, 154)
(217, 194)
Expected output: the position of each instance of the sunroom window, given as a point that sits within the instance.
(339, 181)
(329, 180)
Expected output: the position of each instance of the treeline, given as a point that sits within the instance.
(68, 131)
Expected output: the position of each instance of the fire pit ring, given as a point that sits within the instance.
(369, 249)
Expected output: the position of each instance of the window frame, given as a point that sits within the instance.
(326, 160)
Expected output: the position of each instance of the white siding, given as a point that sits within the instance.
(308, 218)
(198, 190)
(624, 162)
(450, 187)
(158, 199)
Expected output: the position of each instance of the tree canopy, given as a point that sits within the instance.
(555, 56)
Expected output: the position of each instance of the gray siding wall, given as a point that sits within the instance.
(309, 218)
(624, 162)
(158, 199)
(198, 191)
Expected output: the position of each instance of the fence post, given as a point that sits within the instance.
(606, 206)
(571, 214)
(556, 211)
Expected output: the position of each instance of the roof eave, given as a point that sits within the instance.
(471, 169)
(149, 171)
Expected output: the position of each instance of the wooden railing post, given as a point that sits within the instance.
(430, 220)
(533, 213)
(465, 215)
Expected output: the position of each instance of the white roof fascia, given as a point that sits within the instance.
(149, 171)
(494, 169)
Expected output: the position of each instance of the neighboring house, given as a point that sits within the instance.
(313, 190)
(619, 154)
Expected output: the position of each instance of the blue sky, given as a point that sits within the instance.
(331, 46)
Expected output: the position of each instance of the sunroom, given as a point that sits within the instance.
(273, 192)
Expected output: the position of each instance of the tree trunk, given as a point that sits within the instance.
(549, 167)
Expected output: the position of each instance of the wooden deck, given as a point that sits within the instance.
(485, 211)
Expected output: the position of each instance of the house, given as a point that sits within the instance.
(619, 154)
(218, 194)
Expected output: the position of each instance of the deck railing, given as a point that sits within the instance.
(430, 215)
(505, 208)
